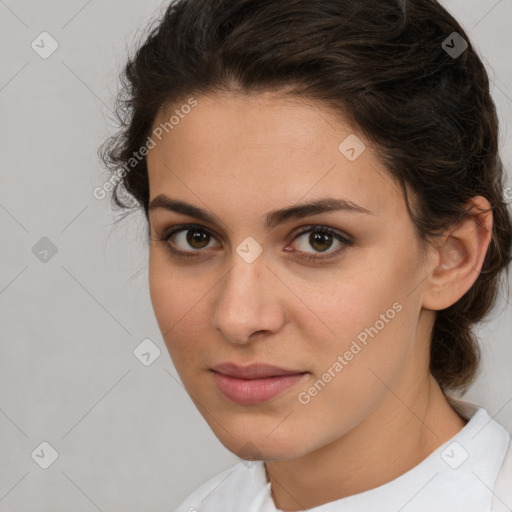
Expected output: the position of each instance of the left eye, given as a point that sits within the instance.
(321, 239)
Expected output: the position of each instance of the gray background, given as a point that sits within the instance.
(128, 437)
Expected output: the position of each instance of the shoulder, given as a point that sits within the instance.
(230, 489)
(502, 494)
(491, 446)
(193, 500)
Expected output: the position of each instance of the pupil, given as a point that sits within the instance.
(196, 236)
(324, 240)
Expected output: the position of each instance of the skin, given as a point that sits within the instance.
(239, 157)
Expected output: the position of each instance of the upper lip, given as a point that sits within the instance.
(252, 371)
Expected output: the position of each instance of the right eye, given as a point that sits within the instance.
(191, 235)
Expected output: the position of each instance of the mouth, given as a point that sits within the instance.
(254, 384)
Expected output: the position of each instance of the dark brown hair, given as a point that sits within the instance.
(385, 66)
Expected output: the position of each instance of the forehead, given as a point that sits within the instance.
(265, 119)
(262, 151)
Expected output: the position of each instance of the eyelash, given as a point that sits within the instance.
(324, 229)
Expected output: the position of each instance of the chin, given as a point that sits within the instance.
(261, 446)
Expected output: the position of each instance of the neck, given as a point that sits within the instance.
(397, 436)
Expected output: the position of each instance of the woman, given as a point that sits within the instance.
(325, 207)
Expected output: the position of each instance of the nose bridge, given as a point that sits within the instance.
(241, 289)
(244, 304)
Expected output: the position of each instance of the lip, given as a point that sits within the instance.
(255, 383)
(253, 371)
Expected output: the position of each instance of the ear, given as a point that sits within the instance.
(459, 255)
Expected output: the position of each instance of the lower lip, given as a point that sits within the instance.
(254, 391)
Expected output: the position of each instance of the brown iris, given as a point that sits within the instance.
(321, 238)
(199, 237)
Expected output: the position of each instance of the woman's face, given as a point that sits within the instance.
(348, 326)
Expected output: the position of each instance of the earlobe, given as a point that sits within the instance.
(459, 256)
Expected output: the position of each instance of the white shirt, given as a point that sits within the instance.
(472, 472)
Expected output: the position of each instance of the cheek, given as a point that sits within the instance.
(176, 302)
(162, 289)
(369, 333)
(348, 302)
(349, 368)
(174, 290)
(363, 315)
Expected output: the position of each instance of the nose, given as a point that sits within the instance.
(248, 303)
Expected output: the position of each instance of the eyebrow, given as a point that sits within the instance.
(273, 218)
